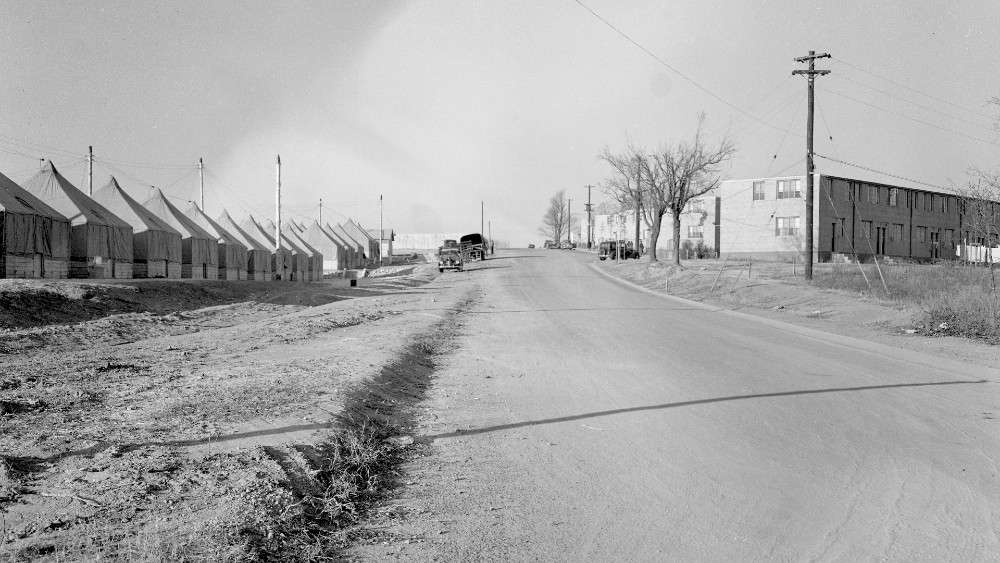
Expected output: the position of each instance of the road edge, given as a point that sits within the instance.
(848, 342)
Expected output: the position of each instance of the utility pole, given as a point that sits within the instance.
(320, 211)
(90, 170)
(810, 167)
(638, 202)
(569, 220)
(489, 227)
(590, 222)
(482, 214)
(201, 179)
(277, 208)
(380, 230)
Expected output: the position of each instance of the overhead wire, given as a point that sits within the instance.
(910, 88)
(918, 120)
(672, 68)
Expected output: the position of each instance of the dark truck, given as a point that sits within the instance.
(474, 246)
(616, 250)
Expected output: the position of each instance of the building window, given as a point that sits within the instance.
(786, 226)
(928, 202)
(944, 203)
(695, 231)
(788, 189)
(866, 228)
(696, 206)
(873, 194)
(921, 234)
(893, 195)
(843, 226)
(949, 235)
(758, 190)
(897, 231)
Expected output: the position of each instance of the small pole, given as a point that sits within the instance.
(201, 179)
(90, 170)
(320, 211)
(569, 220)
(590, 223)
(380, 230)
(277, 206)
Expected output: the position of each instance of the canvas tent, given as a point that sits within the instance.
(370, 244)
(294, 232)
(300, 256)
(156, 246)
(351, 259)
(199, 251)
(334, 251)
(357, 248)
(282, 262)
(34, 237)
(100, 242)
(258, 260)
(232, 252)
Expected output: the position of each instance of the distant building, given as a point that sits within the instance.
(699, 227)
(385, 239)
(853, 219)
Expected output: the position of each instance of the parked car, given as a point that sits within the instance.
(615, 250)
(566, 245)
(531, 245)
(549, 244)
(450, 258)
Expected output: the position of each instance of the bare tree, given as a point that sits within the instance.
(980, 210)
(631, 179)
(555, 222)
(680, 174)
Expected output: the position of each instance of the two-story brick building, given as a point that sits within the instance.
(765, 218)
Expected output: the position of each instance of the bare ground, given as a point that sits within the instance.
(162, 428)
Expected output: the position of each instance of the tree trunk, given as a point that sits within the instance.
(654, 236)
(676, 214)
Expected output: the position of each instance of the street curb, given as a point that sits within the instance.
(922, 359)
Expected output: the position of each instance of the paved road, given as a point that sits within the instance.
(604, 423)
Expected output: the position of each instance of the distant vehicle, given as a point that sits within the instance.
(450, 258)
(550, 244)
(531, 246)
(615, 250)
(474, 246)
(566, 245)
(450, 243)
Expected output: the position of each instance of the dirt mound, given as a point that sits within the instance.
(34, 303)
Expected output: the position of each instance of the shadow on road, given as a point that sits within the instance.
(500, 427)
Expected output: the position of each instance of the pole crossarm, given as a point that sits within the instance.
(812, 56)
(811, 72)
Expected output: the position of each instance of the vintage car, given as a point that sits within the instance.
(615, 250)
(566, 245)
(531, 245)
(450, 258)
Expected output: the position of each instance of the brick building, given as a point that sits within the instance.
(765, 218)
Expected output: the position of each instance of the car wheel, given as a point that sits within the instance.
(441, 270)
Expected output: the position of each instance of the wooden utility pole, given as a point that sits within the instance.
(569, 220)
(380, 229)
(90, 170)
(482, 214)
(320, 211)
(810, 167)
(590, 222)
(638, 202)
(201, 180)
(277, 207)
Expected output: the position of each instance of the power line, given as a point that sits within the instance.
(882, 172)
(918, 120)
(910, 88)
(917, 104)
(673, 69)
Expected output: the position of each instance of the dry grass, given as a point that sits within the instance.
(956, 299)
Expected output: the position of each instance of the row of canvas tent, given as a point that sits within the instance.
(51, 229)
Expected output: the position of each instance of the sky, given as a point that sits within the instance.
(443, 106)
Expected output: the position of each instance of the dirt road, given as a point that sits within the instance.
(580, 419)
